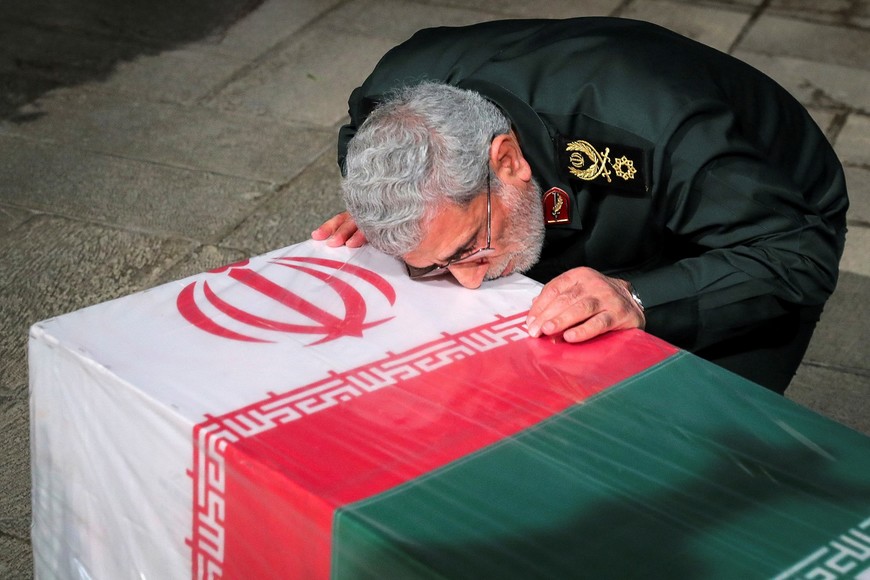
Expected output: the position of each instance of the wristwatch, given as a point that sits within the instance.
(634, 295)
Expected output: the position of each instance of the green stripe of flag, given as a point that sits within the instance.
(681, 471)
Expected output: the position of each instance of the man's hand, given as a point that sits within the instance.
(340, 230)
(583, 303)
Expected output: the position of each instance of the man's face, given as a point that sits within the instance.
(517, 235)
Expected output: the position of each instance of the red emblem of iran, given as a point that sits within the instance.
(290, 294)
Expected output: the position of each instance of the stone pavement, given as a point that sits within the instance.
(144, 141)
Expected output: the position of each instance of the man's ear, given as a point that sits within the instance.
(508, 161)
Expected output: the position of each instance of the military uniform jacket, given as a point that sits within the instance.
(684, 171)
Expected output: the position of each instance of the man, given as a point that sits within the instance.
(648, 180)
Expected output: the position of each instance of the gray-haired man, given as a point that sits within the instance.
(648, 180)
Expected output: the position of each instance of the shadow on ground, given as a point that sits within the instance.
(46, 44)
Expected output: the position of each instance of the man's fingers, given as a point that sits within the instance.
(356, 240)
(590, 328)
(564, 311)
(537, 313)
(320, 234)
(329, 226)
(342, 234)
(565, 292)
(339, 230)
(571, 281)
(581, 304)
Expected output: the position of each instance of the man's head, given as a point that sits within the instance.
(417, 175)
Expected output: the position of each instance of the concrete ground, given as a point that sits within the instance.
(144, 141)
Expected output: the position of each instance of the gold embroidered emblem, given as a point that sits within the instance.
(557, 207)
(588, 163)
(580, 152)
(624, 168)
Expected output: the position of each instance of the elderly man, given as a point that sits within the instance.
(647, 180)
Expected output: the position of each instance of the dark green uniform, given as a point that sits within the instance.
(664, 162)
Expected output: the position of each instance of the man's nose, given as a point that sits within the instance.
(469, 275)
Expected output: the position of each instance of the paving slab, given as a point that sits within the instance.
(828, 11)
(132, 193)
(177, 135)
(199, 68)
(15, 559)
(35, 60)
(45, 44)
(15, 444)
(844, 46)
(838, 395)
(858, 182)
(158, 22)
(203, 259)
(179, 75)
(290, 215)
(50, 266)
(826, 120)
(260, 30)
(537, 9)
(834, 377)
(727, 3)
(397, 20)
(84, 119)
(17, 92)
(853, 142)
(856, 257)
(842, 336)
(308, 80)
(61, 54)
(12, 217)
(714, 26)
(814, 83)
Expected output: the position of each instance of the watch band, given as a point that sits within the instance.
(635, 296)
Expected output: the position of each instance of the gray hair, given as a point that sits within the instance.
(426, 144)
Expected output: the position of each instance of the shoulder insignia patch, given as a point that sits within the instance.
(557, 206)
(605, 164)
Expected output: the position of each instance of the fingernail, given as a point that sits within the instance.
(548, 327)
(530, 323)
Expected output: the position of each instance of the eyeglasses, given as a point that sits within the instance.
(438, 269)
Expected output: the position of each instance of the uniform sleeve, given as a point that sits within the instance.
(762, 247)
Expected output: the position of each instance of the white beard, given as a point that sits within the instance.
(525, 228)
